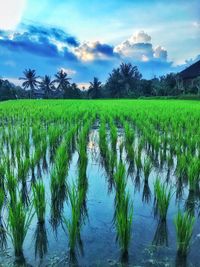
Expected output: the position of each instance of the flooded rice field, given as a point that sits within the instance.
(99, 190)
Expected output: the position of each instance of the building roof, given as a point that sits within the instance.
(191, 72)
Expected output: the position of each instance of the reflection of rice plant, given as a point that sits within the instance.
(162, 196)
(41, 241)
(19, 220)
(161, 234)
(138, 161)
(39, 201)
(184, 227)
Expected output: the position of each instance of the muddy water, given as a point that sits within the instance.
(99, 246)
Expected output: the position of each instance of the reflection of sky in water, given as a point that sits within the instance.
(98, 234)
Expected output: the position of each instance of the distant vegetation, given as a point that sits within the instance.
(123, 82)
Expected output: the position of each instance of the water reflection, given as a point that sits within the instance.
(41, 241)
(181, 261)
(146, 194)
(161, 234)
(3, 236)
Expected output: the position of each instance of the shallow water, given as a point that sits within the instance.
(98, 233)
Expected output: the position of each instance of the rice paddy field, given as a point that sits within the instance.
(100, 183)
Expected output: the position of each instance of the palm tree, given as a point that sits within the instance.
(95, 88)
(61, 79)
(47, 85)
(30, 80)
(130, 75)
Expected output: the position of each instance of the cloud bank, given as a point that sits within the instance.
(47, 49)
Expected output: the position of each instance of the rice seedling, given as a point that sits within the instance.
(162, 198)
(124, 218)
(113, 135)
(147, 167)
(19, 220)
(184, 227)
(123, 210)
(39, 201)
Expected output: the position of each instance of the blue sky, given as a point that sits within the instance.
(89, 38)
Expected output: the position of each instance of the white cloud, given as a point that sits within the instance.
(160, 52)
(11, 12)
(139, 47)
(140, 37)
(90, 51)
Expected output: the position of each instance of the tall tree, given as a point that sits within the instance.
(129, 77)
(95, 88)
(30, 81)
(47, 85)
(62, 80)
(114, 85)
(124, 81)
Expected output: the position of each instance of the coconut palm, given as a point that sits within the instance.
(129, 75)
(95, 88)
(61, 79)
(47, 85)
(30, 80)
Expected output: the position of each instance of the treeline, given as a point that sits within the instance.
(123, 82)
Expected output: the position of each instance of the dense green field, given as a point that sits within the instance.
(128, 168)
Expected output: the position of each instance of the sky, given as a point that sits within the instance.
(91, 37)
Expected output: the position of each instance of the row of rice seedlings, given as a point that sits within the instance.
(113, 134)
(129, 143)
(162, 199)
(58, 184)
(74, 224)
(103, 146)
(123, 210)
(102, 138)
